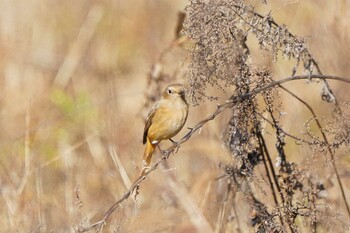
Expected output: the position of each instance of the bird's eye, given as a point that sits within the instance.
(170, 91)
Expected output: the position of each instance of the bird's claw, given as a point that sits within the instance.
(176, 146)
(175, 143)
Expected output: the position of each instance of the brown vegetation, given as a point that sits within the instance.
(267, 145)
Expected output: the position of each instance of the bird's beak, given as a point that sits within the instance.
(183, 96)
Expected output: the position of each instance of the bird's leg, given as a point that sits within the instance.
(161, 151)
(164, 152)
(175, 143)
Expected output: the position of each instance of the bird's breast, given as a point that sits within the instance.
(167, 121)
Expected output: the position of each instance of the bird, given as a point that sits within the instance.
(164, 121)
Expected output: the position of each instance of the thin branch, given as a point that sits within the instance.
(299, 77)
(272, 22)
(173, 149)
(264, 153)
(285, 132)
(325, 139)
(100, 224)
(279, 136)
(286, 203)
(309, 62)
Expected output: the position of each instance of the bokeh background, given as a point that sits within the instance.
(73, 91)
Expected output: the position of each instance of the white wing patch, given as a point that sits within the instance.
(154, 142)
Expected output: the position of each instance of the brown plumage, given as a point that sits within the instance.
(165, 120)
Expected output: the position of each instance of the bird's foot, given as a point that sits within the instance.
(176, 146)
(175, 143)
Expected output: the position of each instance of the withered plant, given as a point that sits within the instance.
(285, 196)
(221, 58)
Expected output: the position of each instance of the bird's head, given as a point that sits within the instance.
(175, 91)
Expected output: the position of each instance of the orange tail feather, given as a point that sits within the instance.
(147, 156)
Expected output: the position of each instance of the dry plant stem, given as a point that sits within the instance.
(325, 139)
(119, 166)
(285, 132)
(191, 208)
(279, 137)
(293, 78)
(100, 224)
(262, 152)
(39, 195)
(272, 22)
(282, 156)
(26, 150)
(313, 204)
(266, 156)
(220, 108)
(220, 223)
(238, 228)
(79, 46)
(311, 60)
(178, 40)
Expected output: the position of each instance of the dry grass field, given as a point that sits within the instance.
(75, 89)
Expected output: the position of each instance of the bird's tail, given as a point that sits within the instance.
(147, 156)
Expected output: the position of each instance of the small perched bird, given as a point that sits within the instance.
(165, 120)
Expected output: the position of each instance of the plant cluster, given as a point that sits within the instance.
(221, 58)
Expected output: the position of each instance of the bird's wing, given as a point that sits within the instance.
(149, 121)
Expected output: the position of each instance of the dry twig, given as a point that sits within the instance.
(166, 153)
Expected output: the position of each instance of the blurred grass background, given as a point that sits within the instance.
(73, 76)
